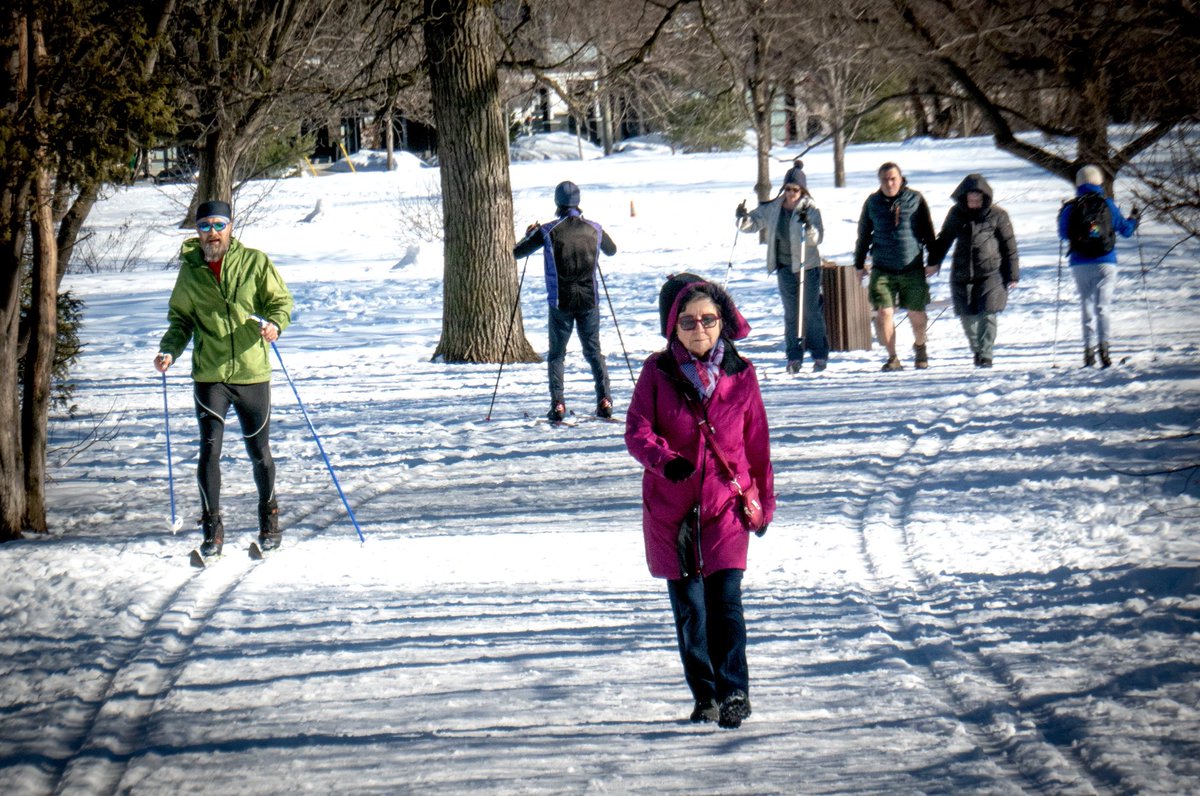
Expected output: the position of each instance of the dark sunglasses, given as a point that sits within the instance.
(212, 226)
(688, 322)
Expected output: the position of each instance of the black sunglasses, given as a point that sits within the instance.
(688, 322)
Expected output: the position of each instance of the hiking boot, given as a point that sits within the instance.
(892, 364)
(734, 710)
(819, 365)
(1105, 361)
(558, 410)
(977, 358)
(604, 408)
(794, 366)
(1089, 357)
(920, 357)
(269, 535)
(214, 535)
(985, 362)
(705, 710)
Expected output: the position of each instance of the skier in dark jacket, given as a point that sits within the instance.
(1096, 275)
(985, 265)
(894, 226)
(571, 245)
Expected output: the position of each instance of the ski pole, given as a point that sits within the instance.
(507, 337)
(176, 522)
(263, 322)
(1145, 293)
(1057, 306)
(615, 324)
(729, 268)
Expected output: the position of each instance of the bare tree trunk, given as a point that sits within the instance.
(72, 222)
(217, 158)
(39, 359)
(480, 282)
(13, 200)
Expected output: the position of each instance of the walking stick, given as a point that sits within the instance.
(729, 268)
(507, 337)
(1057, 306)
(801, 279)
(1145, 293)
(615, 324)
(262, 322)
(176, 522)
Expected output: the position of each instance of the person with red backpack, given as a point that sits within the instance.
(1089, 224)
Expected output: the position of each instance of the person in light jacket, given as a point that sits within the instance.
(794, 230)
(985, 264)
(695, 536)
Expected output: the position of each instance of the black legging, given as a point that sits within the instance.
(252, 403)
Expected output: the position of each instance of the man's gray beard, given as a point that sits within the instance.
(214, 251)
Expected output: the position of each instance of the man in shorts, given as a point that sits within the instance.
(896, 228)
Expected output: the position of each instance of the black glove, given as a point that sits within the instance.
(529, 229)
(741, 212)
(1134, 212)
(761, 532)
(679, 469)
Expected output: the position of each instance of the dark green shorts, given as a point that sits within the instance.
(907, 290)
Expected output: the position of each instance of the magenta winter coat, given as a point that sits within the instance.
(661, 425)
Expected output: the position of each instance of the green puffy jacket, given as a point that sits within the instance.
(216, 314)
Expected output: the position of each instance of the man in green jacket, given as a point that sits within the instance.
(222, 291)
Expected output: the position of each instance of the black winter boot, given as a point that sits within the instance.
(705, 710)
(735, 709)
(214, 535)
(1105, 361)
(269, 535)
(1089, 357)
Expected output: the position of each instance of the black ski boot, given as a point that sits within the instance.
(214, 535)
(1105, 360)
(1089, 357)
(269, 535)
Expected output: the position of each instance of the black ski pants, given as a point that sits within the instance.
(252, 403)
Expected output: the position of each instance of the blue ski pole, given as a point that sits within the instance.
(263, 322)
(176, 522)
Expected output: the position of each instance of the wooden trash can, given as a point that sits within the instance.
(847, 310)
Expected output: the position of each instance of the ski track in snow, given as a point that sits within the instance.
(984, 702)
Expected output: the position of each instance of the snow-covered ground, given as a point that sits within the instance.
(977, 581)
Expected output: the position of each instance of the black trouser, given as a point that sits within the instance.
(252, 403)
(711, 630)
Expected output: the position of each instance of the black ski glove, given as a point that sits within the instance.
(679, 469)
(761, 532)
(1134, 212)
(741, 211)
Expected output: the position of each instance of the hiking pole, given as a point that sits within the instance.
(176, 522)
(1145, 293)
(616, 326)
(801, 278)
(1057, 306)
(507, 337)
(729, 268)
(262, 322)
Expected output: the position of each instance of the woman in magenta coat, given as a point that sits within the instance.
(695, 535)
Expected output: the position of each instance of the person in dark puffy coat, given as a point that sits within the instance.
(985, 265)
(694, 533)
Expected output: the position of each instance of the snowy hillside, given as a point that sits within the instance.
(976, 581)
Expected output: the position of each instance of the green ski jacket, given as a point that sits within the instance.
(216, 314)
